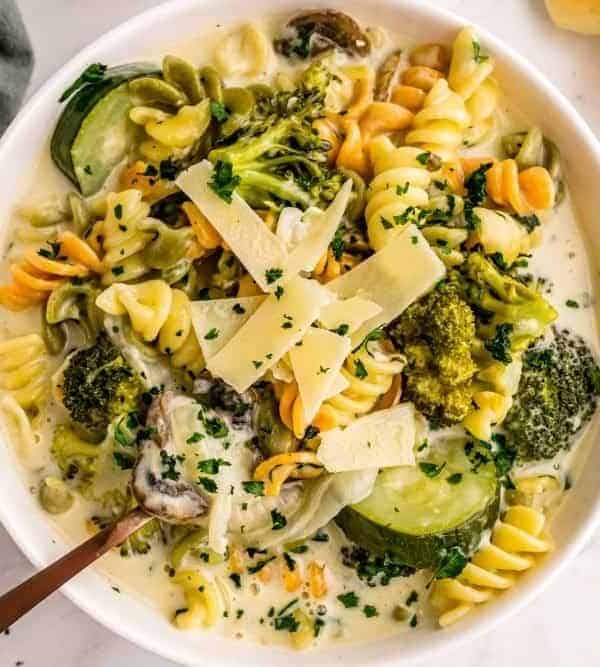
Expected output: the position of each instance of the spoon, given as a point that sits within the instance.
(31, 592)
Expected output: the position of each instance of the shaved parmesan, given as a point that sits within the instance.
(277, 325)
(262, 253)
(394, 277)
(351, 312)
(381, 439)
(339, 385)
(316, 365)
(322, 227)
(217, 321)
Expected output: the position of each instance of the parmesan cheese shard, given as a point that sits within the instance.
(322, 226)
(381, 439)
(395, 276)
(262, 253)
(217, 321)
(348, 313)
(276, 326)
(316, 365)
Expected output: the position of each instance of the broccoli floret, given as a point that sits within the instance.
(557, 396)
(98, 385)
(278, 158)
(510, 315)
(436, 333)
(76, 458)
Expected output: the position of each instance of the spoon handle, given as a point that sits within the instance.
(27, 595)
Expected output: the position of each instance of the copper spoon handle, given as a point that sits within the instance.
(27, 595)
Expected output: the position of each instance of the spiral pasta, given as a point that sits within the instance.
(469, 76)
(203, 601)
(25, 370)
(515, 542)
(171, 135)
(139, 176)
(530, 190)
(207, 237)
(428, 64)
(44, 269)
(370, 370)
(440, 125)
(330, 267)
(294, 465)
(160, 315)
(398, 193)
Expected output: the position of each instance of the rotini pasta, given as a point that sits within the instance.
(440, 125)
(203, 601)
(158, 313)
(43, 270)
(469, 76)
(516, 540)
(398, 193)
(25, 370)
(525, 192)
(428, 64)
(277, 469)
(370, 373)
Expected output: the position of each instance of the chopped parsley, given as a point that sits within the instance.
(322, 370)
(169, 463)
(257, 363)
(349, 600)
(342, 330)
(289, 561)
(413, 597)
(454, 478)
(208, 484)
(478, 57)
(320, 537)
(431, 469)
(195, 437)
(118, 211)
(369, 611)
(215, 427)
(211, 466)
(499, 346)
(255, 488)
(239, 309)
(218, 111)
(253, 569)
(287, 622)
(385, 223)
(318, 626)
(570, 303)
(359, 369)
(223, 181)
(278, 520)
(236, 578)
(273, 274)
(402, 189)
(212, 334)
(452, 563)
(279, 292)
(413, 621)
(124, 461)
(337, 244)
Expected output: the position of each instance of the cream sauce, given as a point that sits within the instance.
(561, 258)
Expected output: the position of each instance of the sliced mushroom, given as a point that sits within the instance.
(156, 483)
(314, 32)
(387, 75)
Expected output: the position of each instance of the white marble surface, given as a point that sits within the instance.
(560, 628)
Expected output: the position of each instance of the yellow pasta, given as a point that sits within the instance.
(398, 193)
(525, 192)
(203, 601)
(440, 125)
(245, 52)
(44, 269)
(279, 468)
(329, 267)
(159, 314)
(515, 542)
(140, 176)
(370, 374)
(469, 76)
(25, 370)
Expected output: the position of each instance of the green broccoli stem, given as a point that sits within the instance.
(286, 190)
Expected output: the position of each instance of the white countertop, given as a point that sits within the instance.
(560, 628)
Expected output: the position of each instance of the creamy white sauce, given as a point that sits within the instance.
(561, 258)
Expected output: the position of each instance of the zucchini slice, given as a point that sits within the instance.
(417, 517)
(94, 133)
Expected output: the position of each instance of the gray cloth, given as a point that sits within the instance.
(16, 61)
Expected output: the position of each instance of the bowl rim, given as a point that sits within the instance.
(424, 9)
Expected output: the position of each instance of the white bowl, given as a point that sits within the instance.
(184, 19)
